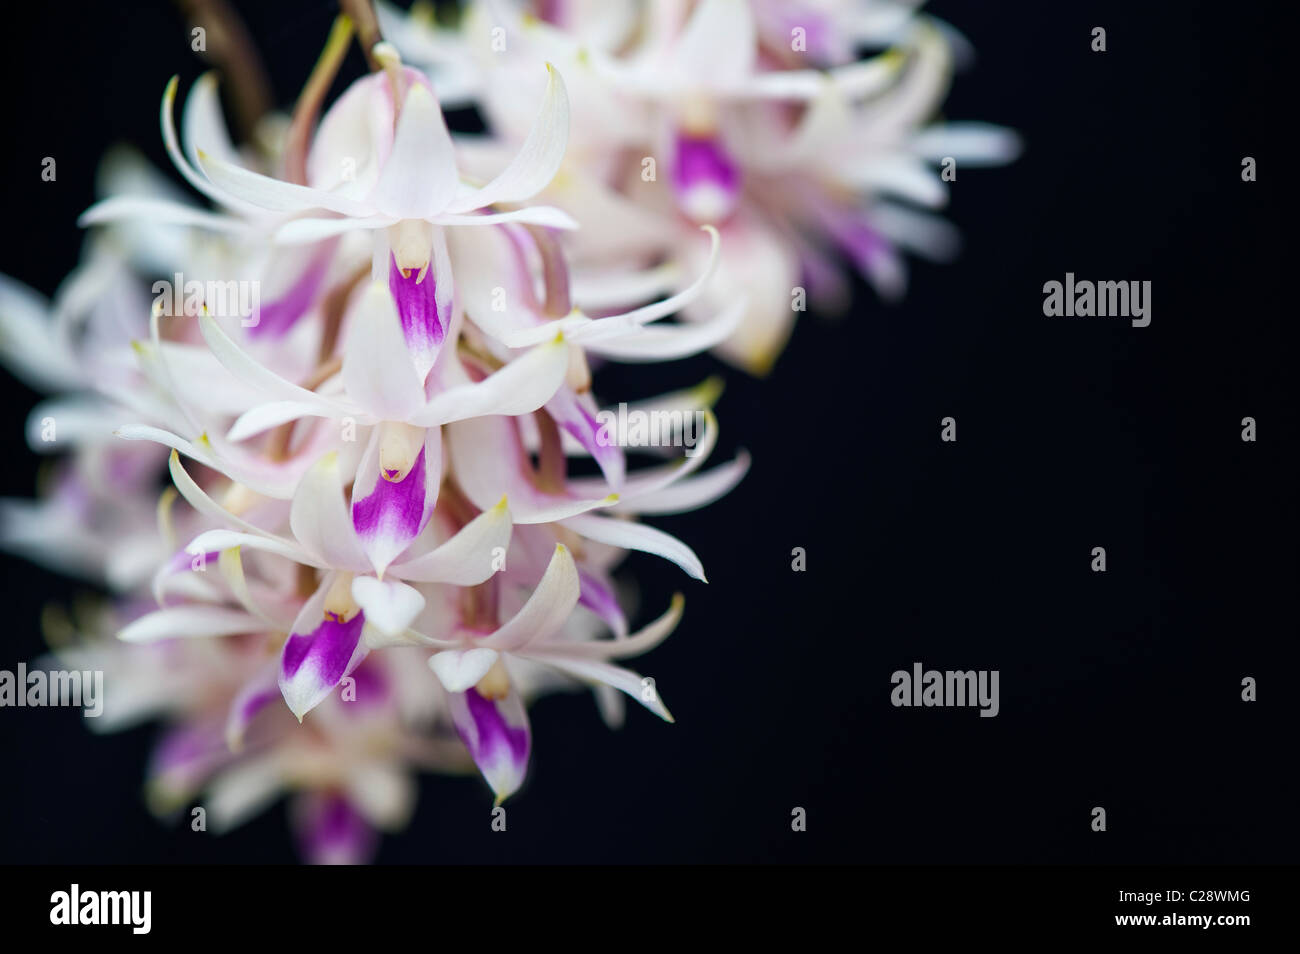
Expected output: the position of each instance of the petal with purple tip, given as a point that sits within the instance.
(596, 595)
(331, 832)
(497, 735)
(257, 693)
(314, 661)
(577, 414)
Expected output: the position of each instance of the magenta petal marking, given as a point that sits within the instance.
(182, 561)
(332, 832)
(417, 307)
(863, 244)
(278, 316)
(706, 179)
(371, 687)
(498, 748)
(186, 756)
(394, 508)
(252, 699)
(325, 651)
(597, 597)
(570, 414)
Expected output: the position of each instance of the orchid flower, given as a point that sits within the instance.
(474, 668)
(753, 116)
(371, 556)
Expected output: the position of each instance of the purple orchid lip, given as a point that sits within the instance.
(331, 831)
(394, 507)
(423, 326)
(313, 664)
(496, 739)
(705, 178)
(497, 736)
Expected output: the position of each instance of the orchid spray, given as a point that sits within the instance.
(364, 373)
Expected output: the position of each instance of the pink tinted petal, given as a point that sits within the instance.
(257, 693)
(594, 594)
(576, 413)
(183, 761)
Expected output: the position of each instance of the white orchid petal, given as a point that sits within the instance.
(419, 177)
(546, 610)
(537, 161)
(460, 669)
(390, 606)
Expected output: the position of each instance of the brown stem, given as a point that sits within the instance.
(312, 96)
(362, 13)
(554, 270)
(551, 464)
(333, 308)
(230, 49)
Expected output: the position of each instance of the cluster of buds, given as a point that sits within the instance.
(393, 502)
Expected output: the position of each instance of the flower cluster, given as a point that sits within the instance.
(363, 364)
(760, 117)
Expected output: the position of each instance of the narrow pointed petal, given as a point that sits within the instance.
(546, 610)
(687, 495)
(203, 124)
(546, 215)
(625, 680)
(491, 463)
(319, 517)
(537, 161)
(718, 46)
(521, 387)
(600, 599)
(254, 697)
(668, 342)
(637, 536)
(251, 372)
(124, 208)
(419, 177)
(378, 372)
(274, 195)
(642, 641)
(175, 622)
(469, 557)
(576, 414)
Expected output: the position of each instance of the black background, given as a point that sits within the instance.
(1119, 689)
